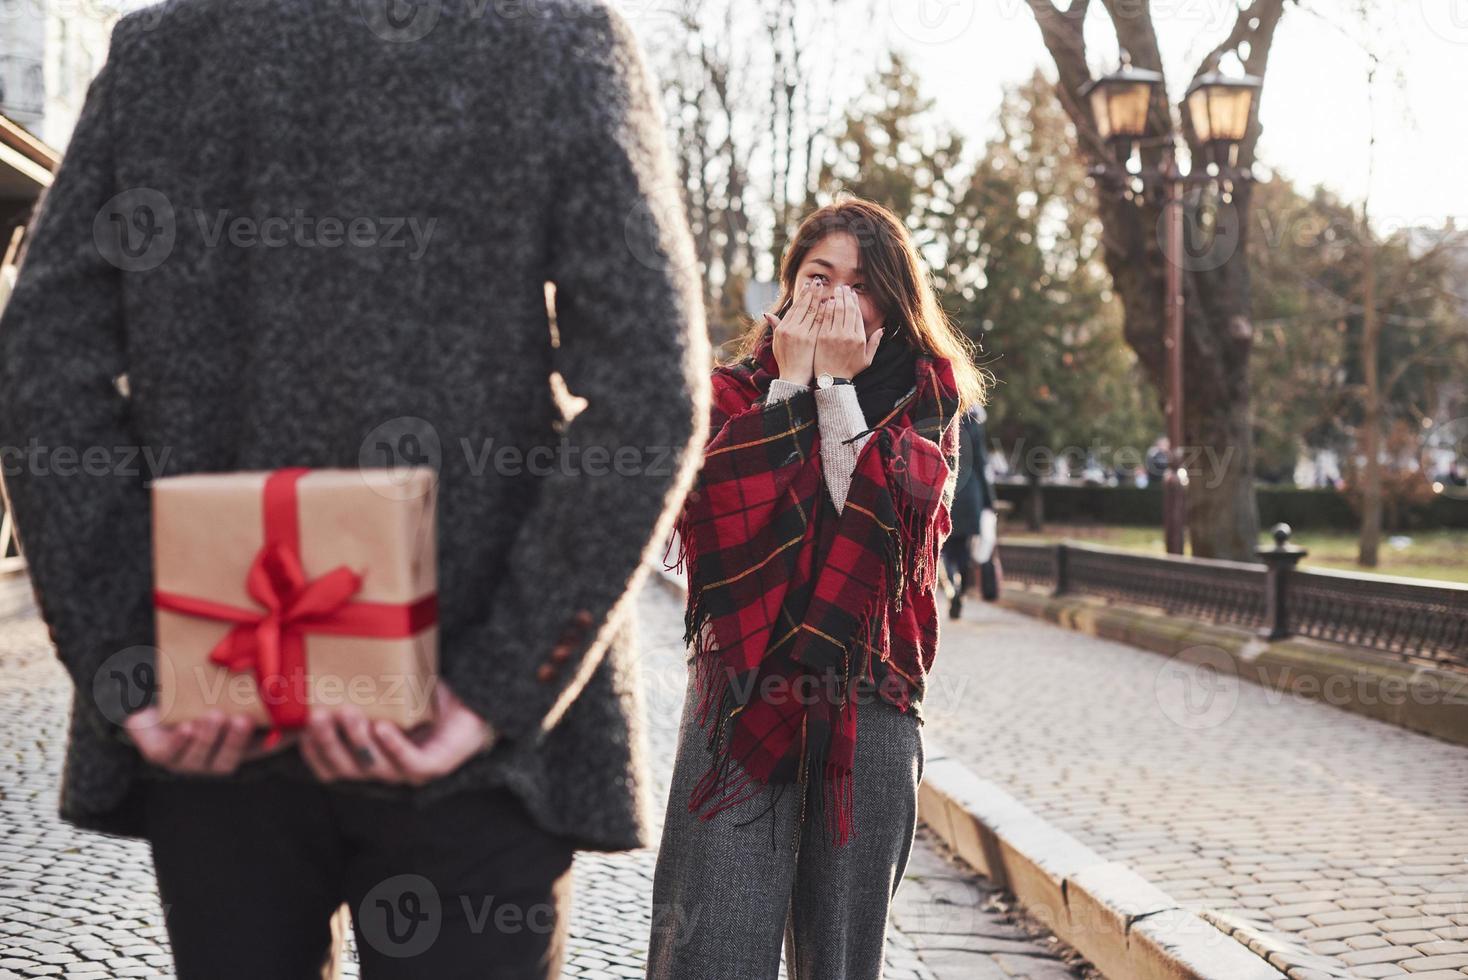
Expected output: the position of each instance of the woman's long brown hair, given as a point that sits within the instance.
(899, 282)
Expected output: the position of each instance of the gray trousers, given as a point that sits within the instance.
(728, 892)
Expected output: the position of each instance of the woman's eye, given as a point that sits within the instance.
(818, 278)
(860, 287)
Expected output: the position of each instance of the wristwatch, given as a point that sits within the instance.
(824, 380)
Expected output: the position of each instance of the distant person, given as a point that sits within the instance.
(812, 539)
(973, 499)
(530, 146)
(1157, 458)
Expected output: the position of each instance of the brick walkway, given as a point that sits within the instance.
(1341, 841)
(83, 906)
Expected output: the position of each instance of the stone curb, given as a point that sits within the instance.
(1127, 927)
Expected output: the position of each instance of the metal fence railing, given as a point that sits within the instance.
(1408, 620)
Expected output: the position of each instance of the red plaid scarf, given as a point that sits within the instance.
(788, 599)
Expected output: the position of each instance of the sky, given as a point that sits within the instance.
(1317, 111)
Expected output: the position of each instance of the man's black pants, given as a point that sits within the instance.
(253, 873)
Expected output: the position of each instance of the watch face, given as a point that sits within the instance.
(823, 381)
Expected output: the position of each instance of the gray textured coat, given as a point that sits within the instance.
(187, 249)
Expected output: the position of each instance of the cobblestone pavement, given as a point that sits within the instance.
(1341, 840)
(83, 906)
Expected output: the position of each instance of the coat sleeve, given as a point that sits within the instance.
(72, 477)
(757, 451)
(628, 310)
(747, 440)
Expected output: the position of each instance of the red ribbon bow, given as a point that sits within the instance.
(272, 641)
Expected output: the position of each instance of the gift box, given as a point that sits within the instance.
(279, 590)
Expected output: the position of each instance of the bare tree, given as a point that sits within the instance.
(751, 92)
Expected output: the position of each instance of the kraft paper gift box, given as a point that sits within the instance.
(278, 590)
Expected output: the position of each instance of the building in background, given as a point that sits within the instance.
(26, 165)
(49, 51)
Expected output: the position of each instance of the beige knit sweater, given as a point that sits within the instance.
(838, 412)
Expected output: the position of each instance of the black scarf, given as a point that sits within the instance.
(891, 375)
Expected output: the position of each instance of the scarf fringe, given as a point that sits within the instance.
(722, 785)
(837, 801)
(680, 564)
(725, 784)
(686, 563)
(917, 544)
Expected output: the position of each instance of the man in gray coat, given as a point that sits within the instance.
(318, 233)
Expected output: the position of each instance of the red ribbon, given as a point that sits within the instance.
(272, 642)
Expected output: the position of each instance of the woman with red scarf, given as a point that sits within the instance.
(811, 541)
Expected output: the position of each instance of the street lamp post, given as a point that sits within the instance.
(1219, 108)
(1175, 482)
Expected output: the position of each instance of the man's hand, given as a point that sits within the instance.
(213, 745)
(342, 743)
